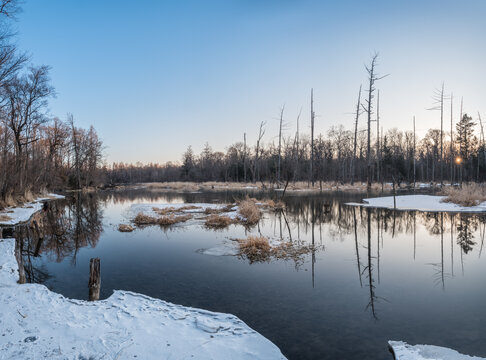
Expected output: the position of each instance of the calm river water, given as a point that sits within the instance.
(375, 275)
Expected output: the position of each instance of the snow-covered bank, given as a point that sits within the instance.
(39, 324)
(404, 351)
(16, 215)
(428, 203)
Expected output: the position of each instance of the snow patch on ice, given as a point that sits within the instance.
(430, 203)
(404, 351)
(37, 323)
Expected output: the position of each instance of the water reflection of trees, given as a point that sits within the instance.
(65, 228)
(369, 226)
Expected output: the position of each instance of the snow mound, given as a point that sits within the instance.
(404, 351)
(430, 203)
(39, 324)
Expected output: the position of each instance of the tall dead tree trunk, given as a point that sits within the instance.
(452, 142)
(378, 137)
(372, 78)
(312, 139)
(414, 147)
(244, 156)
(353, 158)
(256, 166)
(280, 144)
(442, 135)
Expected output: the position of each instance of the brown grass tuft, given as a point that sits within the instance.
(249, 211)
(468, 195)
(125, 228)
(171, 219)
(218, 221)
(171, 209)
(227, 208)
(5, 218)
(142, 219)
(255, 248)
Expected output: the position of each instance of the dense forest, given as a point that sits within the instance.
(37, 150)
(340, 155)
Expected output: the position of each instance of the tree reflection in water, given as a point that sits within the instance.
(66, 227)
(314, 221)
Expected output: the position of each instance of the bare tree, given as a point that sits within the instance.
(373, 77)
(358, 106)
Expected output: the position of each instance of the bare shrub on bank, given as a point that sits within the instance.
(471, 194)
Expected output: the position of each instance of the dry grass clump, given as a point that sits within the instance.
(125, 228)
(225, 209)
(5, 218)
(218, 221)
(255, 248)
(468, 195)
(172, 219)
(171, 209)
(249, 211)
(142, 219)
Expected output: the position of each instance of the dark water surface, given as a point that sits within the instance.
(375, 275)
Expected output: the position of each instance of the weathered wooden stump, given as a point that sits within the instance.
(94, 279)
(19, 244)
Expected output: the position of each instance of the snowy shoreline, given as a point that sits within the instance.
(17, 215)
(37, 323)
(426, 203)
(40, 324)
(404, 351)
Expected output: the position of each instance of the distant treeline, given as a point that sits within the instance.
(392, 158)
(37, 151)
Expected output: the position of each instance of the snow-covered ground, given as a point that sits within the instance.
(16, 215)
(404, 351)
(37, 323)
(429, 203)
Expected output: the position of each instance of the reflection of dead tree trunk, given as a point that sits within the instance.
(356, 245)
(371, 304)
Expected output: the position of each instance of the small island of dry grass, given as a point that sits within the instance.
(142, 219)
(125, 228)
(468, 195)
(216, 221)
(255, 248)
(259, 249)
(249, 211)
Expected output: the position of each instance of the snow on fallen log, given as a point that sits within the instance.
(37, 323)
(404, 351)
(429, 203)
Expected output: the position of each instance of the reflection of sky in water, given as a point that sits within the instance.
(425, 288)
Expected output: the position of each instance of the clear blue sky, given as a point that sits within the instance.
(156, 76)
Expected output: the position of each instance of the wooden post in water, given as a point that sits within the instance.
(94, 279)
(19, 244)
